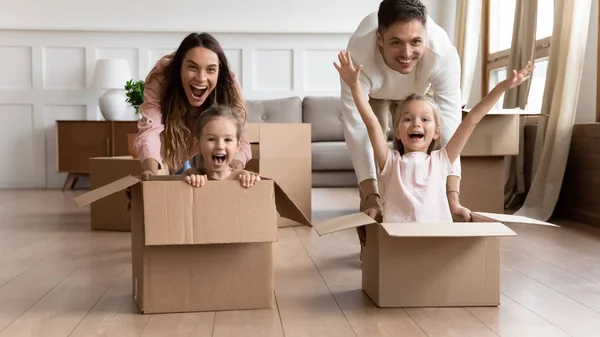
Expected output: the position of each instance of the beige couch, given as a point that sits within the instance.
(331, 164)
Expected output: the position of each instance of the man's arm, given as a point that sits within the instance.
(445, 82)
(357, 139)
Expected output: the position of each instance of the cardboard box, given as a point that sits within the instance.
(282, 151)
(203, 248)
(111, 213)
(482, 159)
(431, 264)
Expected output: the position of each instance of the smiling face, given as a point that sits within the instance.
(199, 74)
(218, 144)
(417, 126)
(402, 45)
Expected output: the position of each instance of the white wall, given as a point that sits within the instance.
(48, 51)
(225, 16)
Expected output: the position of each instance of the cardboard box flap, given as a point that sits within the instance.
(342, 222)
(507, 218)
(106, 190)
(219, 212)
(287, 208)
(446, 229)
(509, 112)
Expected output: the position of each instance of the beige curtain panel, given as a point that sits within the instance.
(565, 68)
(522, 50)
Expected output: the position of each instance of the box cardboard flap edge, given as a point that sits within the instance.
(494, 227)
(508, 112)
(284, 204)
(286, 207)
(504, 218)
(343, 222)
(446, 229)
(106, 190)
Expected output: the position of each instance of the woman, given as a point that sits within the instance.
(176, 91)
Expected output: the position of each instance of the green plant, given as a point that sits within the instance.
(134, 90)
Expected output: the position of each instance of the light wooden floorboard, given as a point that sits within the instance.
(58, 278)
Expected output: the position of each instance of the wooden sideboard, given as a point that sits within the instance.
(78, 141)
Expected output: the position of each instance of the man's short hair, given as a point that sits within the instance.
(393, 11)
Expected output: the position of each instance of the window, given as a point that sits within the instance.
(499, 18)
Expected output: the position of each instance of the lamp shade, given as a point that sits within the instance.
(110, 74)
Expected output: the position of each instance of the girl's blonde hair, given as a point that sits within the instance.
(436, 144)
(215, 112)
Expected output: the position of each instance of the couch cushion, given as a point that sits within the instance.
(325, 115)
(330, 156)
(279, 110)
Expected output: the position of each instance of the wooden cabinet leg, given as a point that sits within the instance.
(70, 182)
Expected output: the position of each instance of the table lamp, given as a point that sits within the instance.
(112, 74)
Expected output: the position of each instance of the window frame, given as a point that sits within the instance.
(598, 77)
(499, 59)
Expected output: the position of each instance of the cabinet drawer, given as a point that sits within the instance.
(78, 141)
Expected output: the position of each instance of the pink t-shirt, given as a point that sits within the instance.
(414, 187)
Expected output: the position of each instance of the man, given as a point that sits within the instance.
(402, 51)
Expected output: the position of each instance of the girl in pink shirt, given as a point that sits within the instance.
(413, 174)
(176, 91)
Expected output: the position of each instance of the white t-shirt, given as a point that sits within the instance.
(439, 67)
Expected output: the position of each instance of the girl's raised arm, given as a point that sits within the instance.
(466, 127)
(350, 75)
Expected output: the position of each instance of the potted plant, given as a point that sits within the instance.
(134, 90)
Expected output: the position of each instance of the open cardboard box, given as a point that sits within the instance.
(496, 136)
(203, 248)
(431, 264)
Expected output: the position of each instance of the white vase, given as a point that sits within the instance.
(114, 107)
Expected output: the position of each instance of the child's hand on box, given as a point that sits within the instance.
(196, 180)
(193, 177)
(247, 178)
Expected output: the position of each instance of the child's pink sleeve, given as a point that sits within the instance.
(446, 165)
(147, 143)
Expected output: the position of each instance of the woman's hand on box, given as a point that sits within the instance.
(247, 178)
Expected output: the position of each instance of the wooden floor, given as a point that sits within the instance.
(58, 278)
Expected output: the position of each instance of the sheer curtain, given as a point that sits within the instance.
(466, 40)
(522, 50)
(565, 68)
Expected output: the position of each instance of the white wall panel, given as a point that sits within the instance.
(273, 70)
(15, 72)
(17, 146)
(129, 54)
(64, 68)
(319, 72)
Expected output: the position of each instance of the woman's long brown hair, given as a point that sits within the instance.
(175, 108)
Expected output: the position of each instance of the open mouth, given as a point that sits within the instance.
(218, 159)
(405, 62)
(416, 135)
(198, 90)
